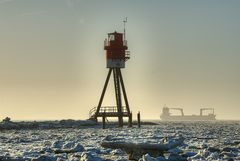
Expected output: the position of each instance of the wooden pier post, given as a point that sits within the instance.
(138, 119)
(130, 120)
(104, 120)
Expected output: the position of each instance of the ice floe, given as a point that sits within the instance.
(208, 141)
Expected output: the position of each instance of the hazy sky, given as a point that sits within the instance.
(183, 54)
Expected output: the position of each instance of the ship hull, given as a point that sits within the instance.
(188, 118)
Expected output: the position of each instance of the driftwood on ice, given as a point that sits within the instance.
(136, 150)
(125, 145)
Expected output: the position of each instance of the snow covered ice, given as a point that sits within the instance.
(218, 140)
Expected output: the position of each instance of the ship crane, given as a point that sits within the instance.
(205, 109)
(180, 109)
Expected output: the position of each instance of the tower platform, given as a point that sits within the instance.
(108, 111)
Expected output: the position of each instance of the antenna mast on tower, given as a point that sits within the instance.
(124, 23)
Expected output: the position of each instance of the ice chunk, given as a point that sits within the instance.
(175, 150)
(189, 154)
(117, 152)
(57, 144)
(147, 157)
(87, 156)
(44, 158)
(47, 143)
(78, 148)
(69, 145)
(213, 156)
(175, 157)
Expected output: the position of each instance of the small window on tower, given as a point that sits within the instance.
(111, 37)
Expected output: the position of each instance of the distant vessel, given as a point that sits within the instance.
(167, 116)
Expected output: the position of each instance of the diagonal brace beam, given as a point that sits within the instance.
(103, 93)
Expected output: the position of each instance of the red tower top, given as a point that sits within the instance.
(116, 50)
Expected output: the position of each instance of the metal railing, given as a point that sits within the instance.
(106, 109)
(92, 112)
(127, 55)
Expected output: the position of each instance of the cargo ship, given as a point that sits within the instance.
(167, 116)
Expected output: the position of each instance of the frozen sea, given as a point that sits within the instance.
(218, 140)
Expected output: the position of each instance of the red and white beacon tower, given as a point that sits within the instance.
(116, 50)
(116, 56)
